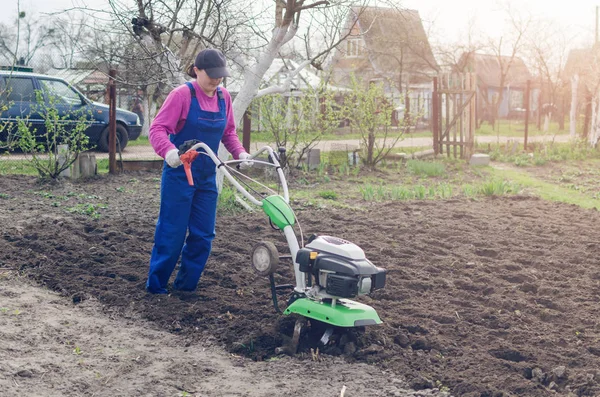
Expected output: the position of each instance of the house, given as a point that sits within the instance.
(280, 70)
(93, 83)
(583, 64)
(489, 70)
(387, 45)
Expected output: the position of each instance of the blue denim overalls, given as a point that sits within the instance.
(184, 207)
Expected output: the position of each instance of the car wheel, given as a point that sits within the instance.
(122, 138)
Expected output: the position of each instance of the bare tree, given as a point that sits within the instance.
(71, 38)
(24, 38)
(451, 56)
(547, 48)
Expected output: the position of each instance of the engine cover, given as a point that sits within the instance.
(340, 267)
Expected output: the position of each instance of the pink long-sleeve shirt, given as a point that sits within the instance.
(173, 113)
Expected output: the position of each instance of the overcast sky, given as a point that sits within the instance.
(445, 18)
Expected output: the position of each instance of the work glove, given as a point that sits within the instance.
(172, 158)
(245, 164)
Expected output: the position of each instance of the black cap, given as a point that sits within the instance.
(213, 62)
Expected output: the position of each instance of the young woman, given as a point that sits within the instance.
(201, 110)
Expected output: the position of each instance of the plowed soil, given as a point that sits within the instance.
(490, 297)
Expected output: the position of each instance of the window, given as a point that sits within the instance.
(354, 47)
(60, 92)
(19, 89)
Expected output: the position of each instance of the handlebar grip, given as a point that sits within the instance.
(185, 146)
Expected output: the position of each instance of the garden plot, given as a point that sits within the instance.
(484, 297)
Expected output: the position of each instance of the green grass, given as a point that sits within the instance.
(539, 153)
(516, 128)
(141, 141)
(498, 187)
(425, 168)
(546, 190)
(17, 167)
(328, 195)
(227, 204)
(371, 192)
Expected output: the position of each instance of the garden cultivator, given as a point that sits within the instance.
(329, 271)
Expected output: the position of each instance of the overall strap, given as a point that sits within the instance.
(222, 106)
(192, 90)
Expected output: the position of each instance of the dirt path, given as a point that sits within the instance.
(51, 347)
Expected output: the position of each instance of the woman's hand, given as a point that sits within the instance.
(172, 158)
(245, 164)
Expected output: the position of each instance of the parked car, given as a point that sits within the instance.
(18, 92)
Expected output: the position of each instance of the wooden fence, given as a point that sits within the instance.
(453, 114)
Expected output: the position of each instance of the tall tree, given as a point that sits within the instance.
(506, 49)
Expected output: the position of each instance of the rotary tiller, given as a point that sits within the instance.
(329, 271)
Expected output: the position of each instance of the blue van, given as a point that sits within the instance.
(18, 100)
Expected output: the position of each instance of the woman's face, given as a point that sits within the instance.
(208, 85)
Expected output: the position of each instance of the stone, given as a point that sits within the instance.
(479, 159)
(85, 166)
(312, 159)
(63, 152)
(559, 372)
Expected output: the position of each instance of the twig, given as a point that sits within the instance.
(457, 316)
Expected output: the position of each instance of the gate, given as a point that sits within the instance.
(453, 116)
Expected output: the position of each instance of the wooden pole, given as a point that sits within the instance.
(112, 122)
(588, 113)
(527, 96)
(473, 114)
(435, 117)
(246, 129)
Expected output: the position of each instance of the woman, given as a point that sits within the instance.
(196, 110)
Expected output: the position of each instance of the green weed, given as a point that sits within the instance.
(496, 187)
(89, 209)
(328, 195)
(228, 204)
(425, 168)
(367, 192)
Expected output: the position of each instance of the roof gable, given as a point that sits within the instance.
(395, 39)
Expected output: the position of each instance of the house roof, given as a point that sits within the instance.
(80, 77)
(489, 69)
(395, 39)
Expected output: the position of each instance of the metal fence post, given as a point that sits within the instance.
(435, 116)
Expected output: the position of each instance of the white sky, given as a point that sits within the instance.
(444, 18)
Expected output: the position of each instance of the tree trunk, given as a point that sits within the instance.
(595, 124)
(370, 148)
(573, 112)
(252, 80)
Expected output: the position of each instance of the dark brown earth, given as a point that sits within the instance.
(490, 297)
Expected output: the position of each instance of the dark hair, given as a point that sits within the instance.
(190, 71)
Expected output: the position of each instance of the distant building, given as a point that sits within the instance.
(585, 64)
(93, 83)
(388, 45)
(489, 70)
